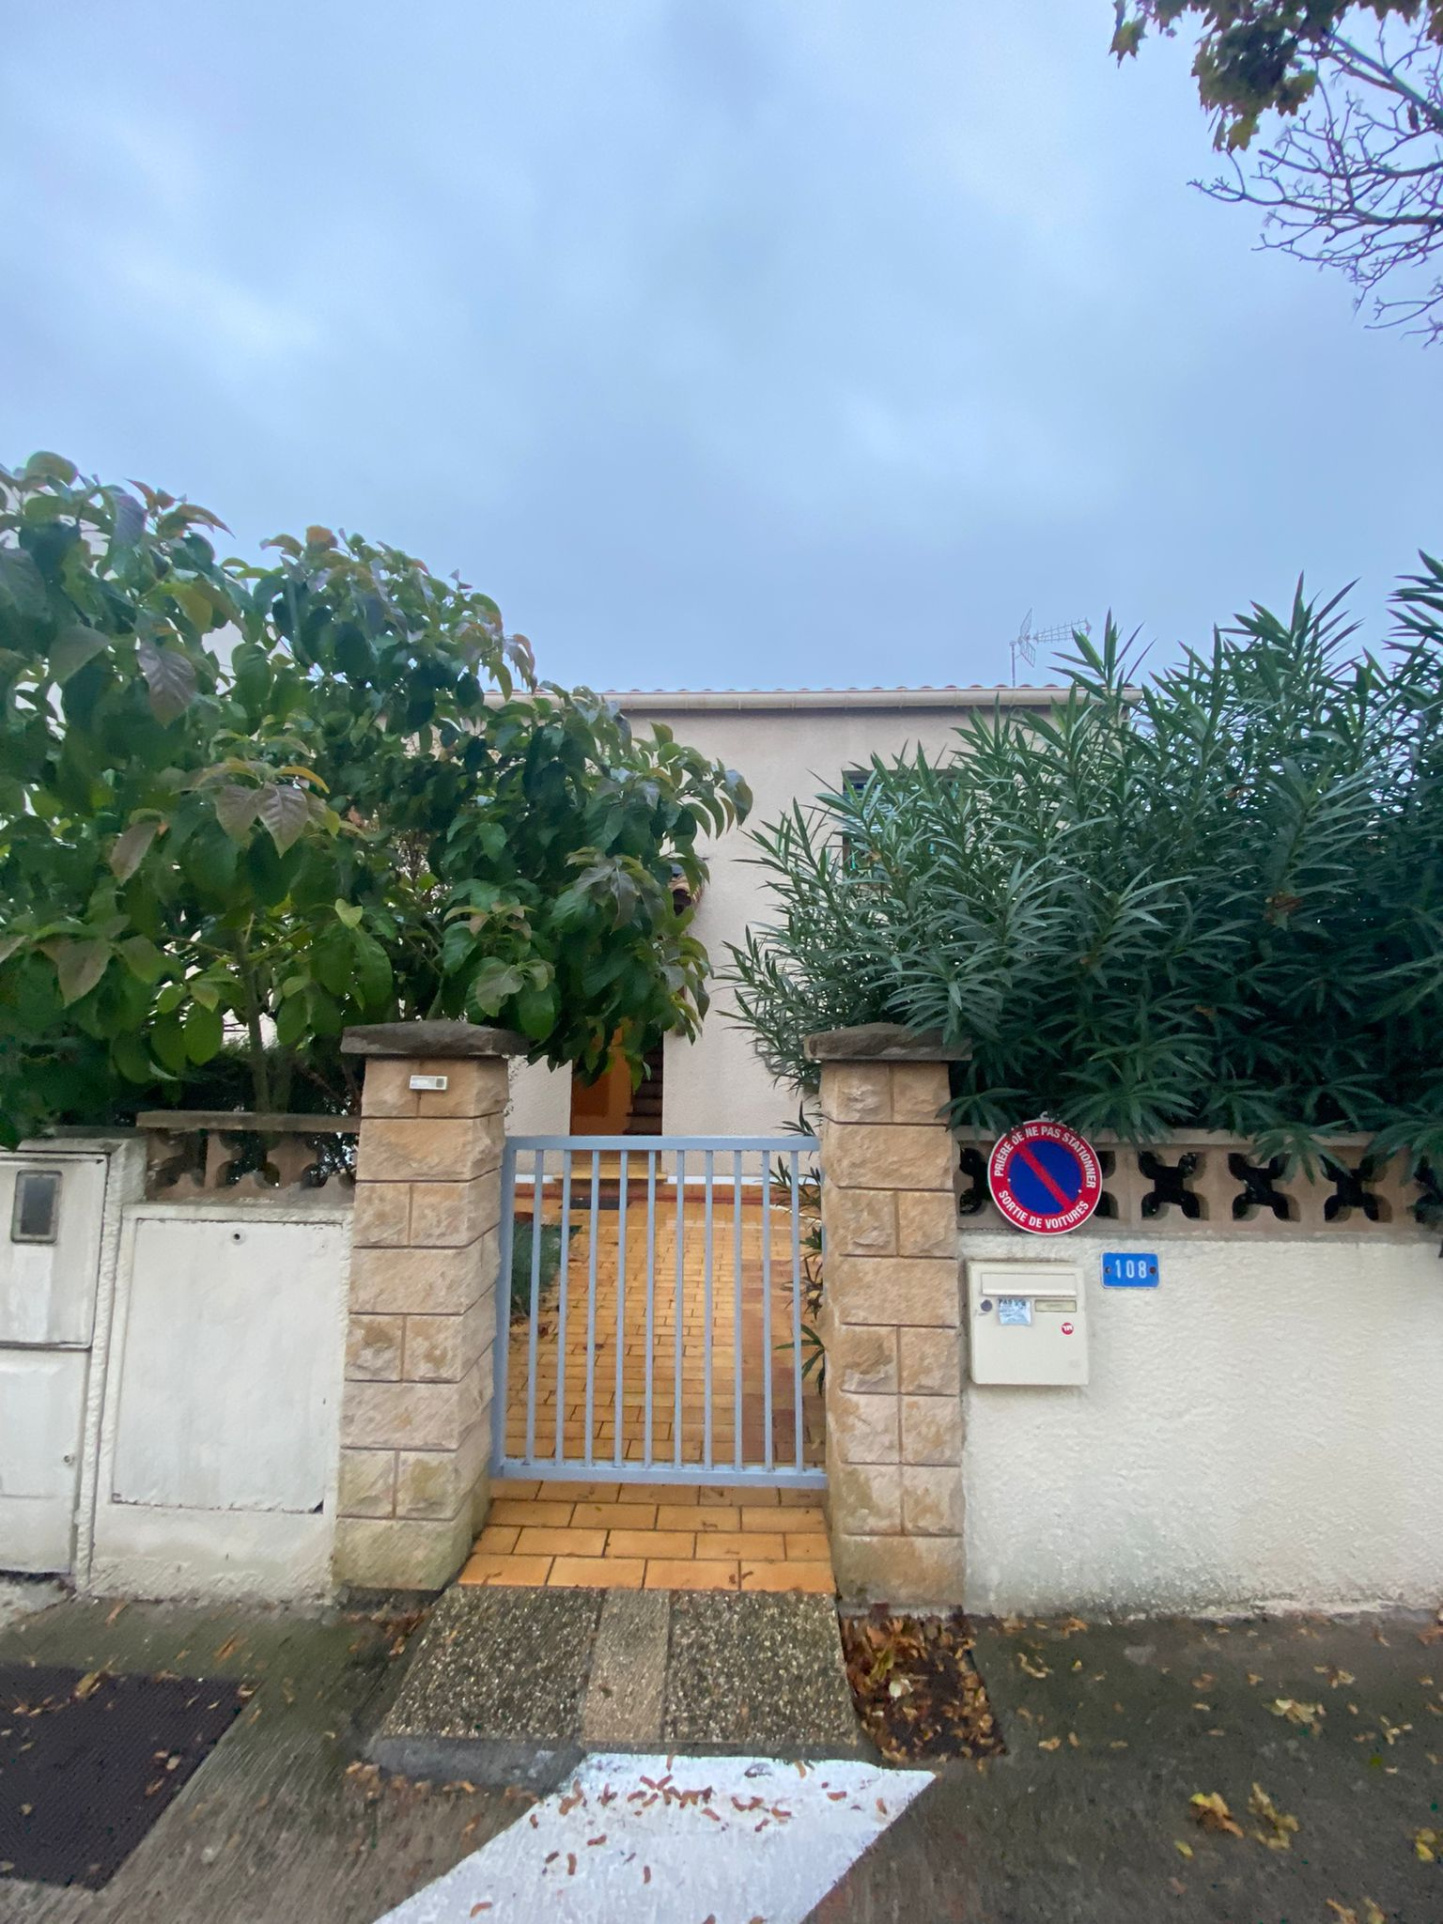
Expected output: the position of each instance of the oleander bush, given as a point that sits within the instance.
(1208, 898)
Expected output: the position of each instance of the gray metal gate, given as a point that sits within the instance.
(661, 1290)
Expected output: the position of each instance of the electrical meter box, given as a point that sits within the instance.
(1027, 1322)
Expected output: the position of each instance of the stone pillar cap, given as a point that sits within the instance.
(431, 1039)
(884, 1042)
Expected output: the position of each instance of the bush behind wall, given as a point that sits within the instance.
(1214, 900)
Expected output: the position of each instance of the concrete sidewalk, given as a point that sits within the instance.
(1112, 1729)
(274, 1827)
(1341, 1723)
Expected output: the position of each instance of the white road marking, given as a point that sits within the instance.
(674, 1840)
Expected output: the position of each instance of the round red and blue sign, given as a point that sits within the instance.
(1044, 1177)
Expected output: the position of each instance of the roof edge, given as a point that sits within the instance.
(640, 701)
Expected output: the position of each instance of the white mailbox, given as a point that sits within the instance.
(1027, 1322)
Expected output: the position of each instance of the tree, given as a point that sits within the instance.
(1354, 179)
(242, 806)
(1214, 900)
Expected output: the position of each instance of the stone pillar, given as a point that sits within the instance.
(891, 1317)
(416, 1412)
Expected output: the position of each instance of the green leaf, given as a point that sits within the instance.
(235, 809)
(284, 811)
(129, 522)
(167, 1039)
(332, 959)
(73, 647)
(495, 982)
(142, 957)
(536, 1011)
(350, 913)
(291, 1021)
(170, 676)
(129, 849)
(9, 944)
(204, 1032)
(79, 965)
(22, 584)
(373, 971)
(131, 1058)
(45, 466)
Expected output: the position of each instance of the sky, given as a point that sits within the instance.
(727, 343)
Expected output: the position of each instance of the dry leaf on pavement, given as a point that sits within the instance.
(1211, 1811)
(1281, 1828)
(1310, 1715)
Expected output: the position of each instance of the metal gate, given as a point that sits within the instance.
(662, 1296)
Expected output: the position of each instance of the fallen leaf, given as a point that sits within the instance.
(88, 1684)
(1050, 1743)
(1211, 1811)
(484, 1905)
(1186, 1849)
(115, 1613)
(1427, 1844)
(1310, 1716)
(1281, 1828)
(1334, 1675)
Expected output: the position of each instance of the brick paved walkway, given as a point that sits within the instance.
(653, 1537)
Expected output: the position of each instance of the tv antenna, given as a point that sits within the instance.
(1025, 644)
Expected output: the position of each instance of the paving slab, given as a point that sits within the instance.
(513, 1686)
(626, 1691)
(760, 1674)
(494, 1691)
(1112, 1728)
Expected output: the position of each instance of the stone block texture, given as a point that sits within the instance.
(892, 1319)
(416, 1414)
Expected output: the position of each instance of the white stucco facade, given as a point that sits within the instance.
(1265, 1428)
(789, 746)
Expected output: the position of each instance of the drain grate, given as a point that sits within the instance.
(88, 1763)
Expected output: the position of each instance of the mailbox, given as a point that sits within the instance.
(1027, 1322)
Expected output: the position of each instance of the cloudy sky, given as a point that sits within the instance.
(726, 342)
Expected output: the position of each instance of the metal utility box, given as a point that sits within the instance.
(1027, 1322)
(51, 1205)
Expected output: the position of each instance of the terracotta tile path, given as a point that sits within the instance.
(653, 1537)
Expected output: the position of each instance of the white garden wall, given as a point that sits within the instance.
(219, 1435)
(1264, 1428)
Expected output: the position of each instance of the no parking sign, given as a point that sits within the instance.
(1044, 1177)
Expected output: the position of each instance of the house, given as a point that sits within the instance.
(789, 744)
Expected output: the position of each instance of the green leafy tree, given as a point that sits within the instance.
(1215, 900)
(243, 806)
(1353, 179)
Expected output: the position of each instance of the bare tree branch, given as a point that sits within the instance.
(1354, 182)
